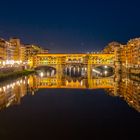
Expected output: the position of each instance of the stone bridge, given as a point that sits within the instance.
(63, 60)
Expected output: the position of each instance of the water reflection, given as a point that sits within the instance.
(102, 71)
(127, 88)
(45, 71)
(11, 92)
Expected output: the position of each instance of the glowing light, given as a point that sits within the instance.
(4, 63)
(81, 83)
(8, 86)
(67, 82)
(18, 82)
(13, 84)
(21, 81)
(4, 88)
(95, 71)
(105, 67)
(41, 74)
(106, 72)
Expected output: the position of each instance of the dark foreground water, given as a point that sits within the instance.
(60, 113)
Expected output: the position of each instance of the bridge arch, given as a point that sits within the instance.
(102, 71)
(75, 70)
(45, 71)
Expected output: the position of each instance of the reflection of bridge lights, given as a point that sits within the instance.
(4, 88)
(8, 86)
(41, 74)
(13, 84)
(21, 81)
(28, 81)
(106, 72)
(78, 69)
(67, 82)
(96, 71)
(18, 83)
(105, 67)
(81, 83)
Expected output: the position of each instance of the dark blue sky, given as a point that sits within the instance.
(70, 26)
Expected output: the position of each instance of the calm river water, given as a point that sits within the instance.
(64, 107)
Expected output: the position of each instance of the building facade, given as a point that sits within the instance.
(13, 53)
(2, 52)
(127, 56)
(16, 44)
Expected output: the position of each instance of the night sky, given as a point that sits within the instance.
(70, 26)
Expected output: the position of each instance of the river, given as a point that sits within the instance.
(69, 107)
